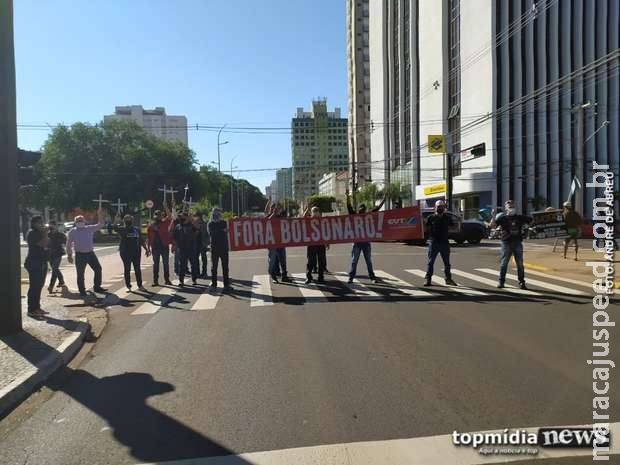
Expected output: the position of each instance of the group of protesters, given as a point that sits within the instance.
(189, 237)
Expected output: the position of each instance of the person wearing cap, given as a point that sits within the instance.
(158, 244)
(218, 236)
(130, 249)
(80, 238)
(572, 222)
(362, 247)
(511, 226)
(438, 226)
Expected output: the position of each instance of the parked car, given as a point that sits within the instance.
(472, 231)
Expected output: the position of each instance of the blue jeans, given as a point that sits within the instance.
(277, 261)
(37, 271)
(435, 248)
(56, 273)
(509, 249)
(358, 248)
(164, 254)
(185, 256)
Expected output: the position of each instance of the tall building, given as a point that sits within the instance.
(319, 145)
(156, 121)
(535, 82)
(284, 183)
(358, 60)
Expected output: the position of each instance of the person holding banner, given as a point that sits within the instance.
(438, 226)
(277, 256)
(572, 222)
(362, 247)
(511, 226)
(218, 236)
(203, 243)
(316, 254)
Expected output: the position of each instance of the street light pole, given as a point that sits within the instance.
(10, 290)
(219, 167)
(232, 205)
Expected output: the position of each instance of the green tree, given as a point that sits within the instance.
(324, 202)
(369, 194)
(538, 202)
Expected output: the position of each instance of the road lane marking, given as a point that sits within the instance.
(460, 289)
(356, 286)
(208, 299)
(558, 278)
(492, 283)
(309, 291)
(401, 285)
(544, 285)
(425, 450)
(155, 302)
(261, 291)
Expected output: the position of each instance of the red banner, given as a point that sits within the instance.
(260, 233)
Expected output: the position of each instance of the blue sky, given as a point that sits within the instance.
(240, 62)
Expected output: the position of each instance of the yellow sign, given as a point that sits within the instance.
(435, 188)
(436, 144)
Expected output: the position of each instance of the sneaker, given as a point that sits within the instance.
(213, 287)
(500, 285)
(374, 279)
(83, 294)
(228, 288)
(308, 281)
(155, 284)
(350, 281)
(43, 312)
(141, 288)
(167, 282)
(523, 286)
(100, 289)
(450, 282)
(321, 280)
(129, 288)
(274, 279)
(50, 290)
(286, 279)
(194, 282)
(428, 283)
(36, 314)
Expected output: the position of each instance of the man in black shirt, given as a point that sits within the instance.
(218, 234)
(36, 265)
(203, 243)
(185, 237)
(438, 227)
(511, 226)
(130, 250)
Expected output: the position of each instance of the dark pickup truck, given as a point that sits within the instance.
(470, 231)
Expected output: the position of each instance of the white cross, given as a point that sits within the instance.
(186, 188)
(189, 203)
(119, 206)
(100, 201)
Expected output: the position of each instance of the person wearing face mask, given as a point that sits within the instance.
(277, 256)
(218, 235)
(362, 247)
(438, 225)
(185, 238)
(203, 243)
(57, 250)
(80, 238)
(158, 244)
(315, 254)
(511, 226)
(36, 265)
(130, 249)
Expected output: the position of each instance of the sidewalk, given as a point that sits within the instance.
(540, 257)
(28, 358)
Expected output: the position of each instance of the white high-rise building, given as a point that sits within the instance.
(156, 121)
(536, 82)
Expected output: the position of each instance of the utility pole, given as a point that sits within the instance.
(448, 161)
(10, 290)
(353, 172)
(219, 166)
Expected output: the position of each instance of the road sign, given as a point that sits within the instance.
(473, 152)
(436, 144)
(149, 204)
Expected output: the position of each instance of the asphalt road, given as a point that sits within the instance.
(199, 378)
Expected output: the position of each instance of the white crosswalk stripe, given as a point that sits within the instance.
(156, 302)
(309, 291)
(460, 289)
(208, 299)
(490, 282)
(401, 285)
(357, 287)
(544, 285)
(261, 291)
(559, 278)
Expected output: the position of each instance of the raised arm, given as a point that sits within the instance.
(378, 207)
(349, 206)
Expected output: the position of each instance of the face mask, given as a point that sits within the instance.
(216, 216)
(510, 211)
(79, 224)
(440, 211)
(128, 223)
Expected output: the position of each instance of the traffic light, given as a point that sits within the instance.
(26, 159)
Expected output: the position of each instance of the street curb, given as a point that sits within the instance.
(13, 394)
